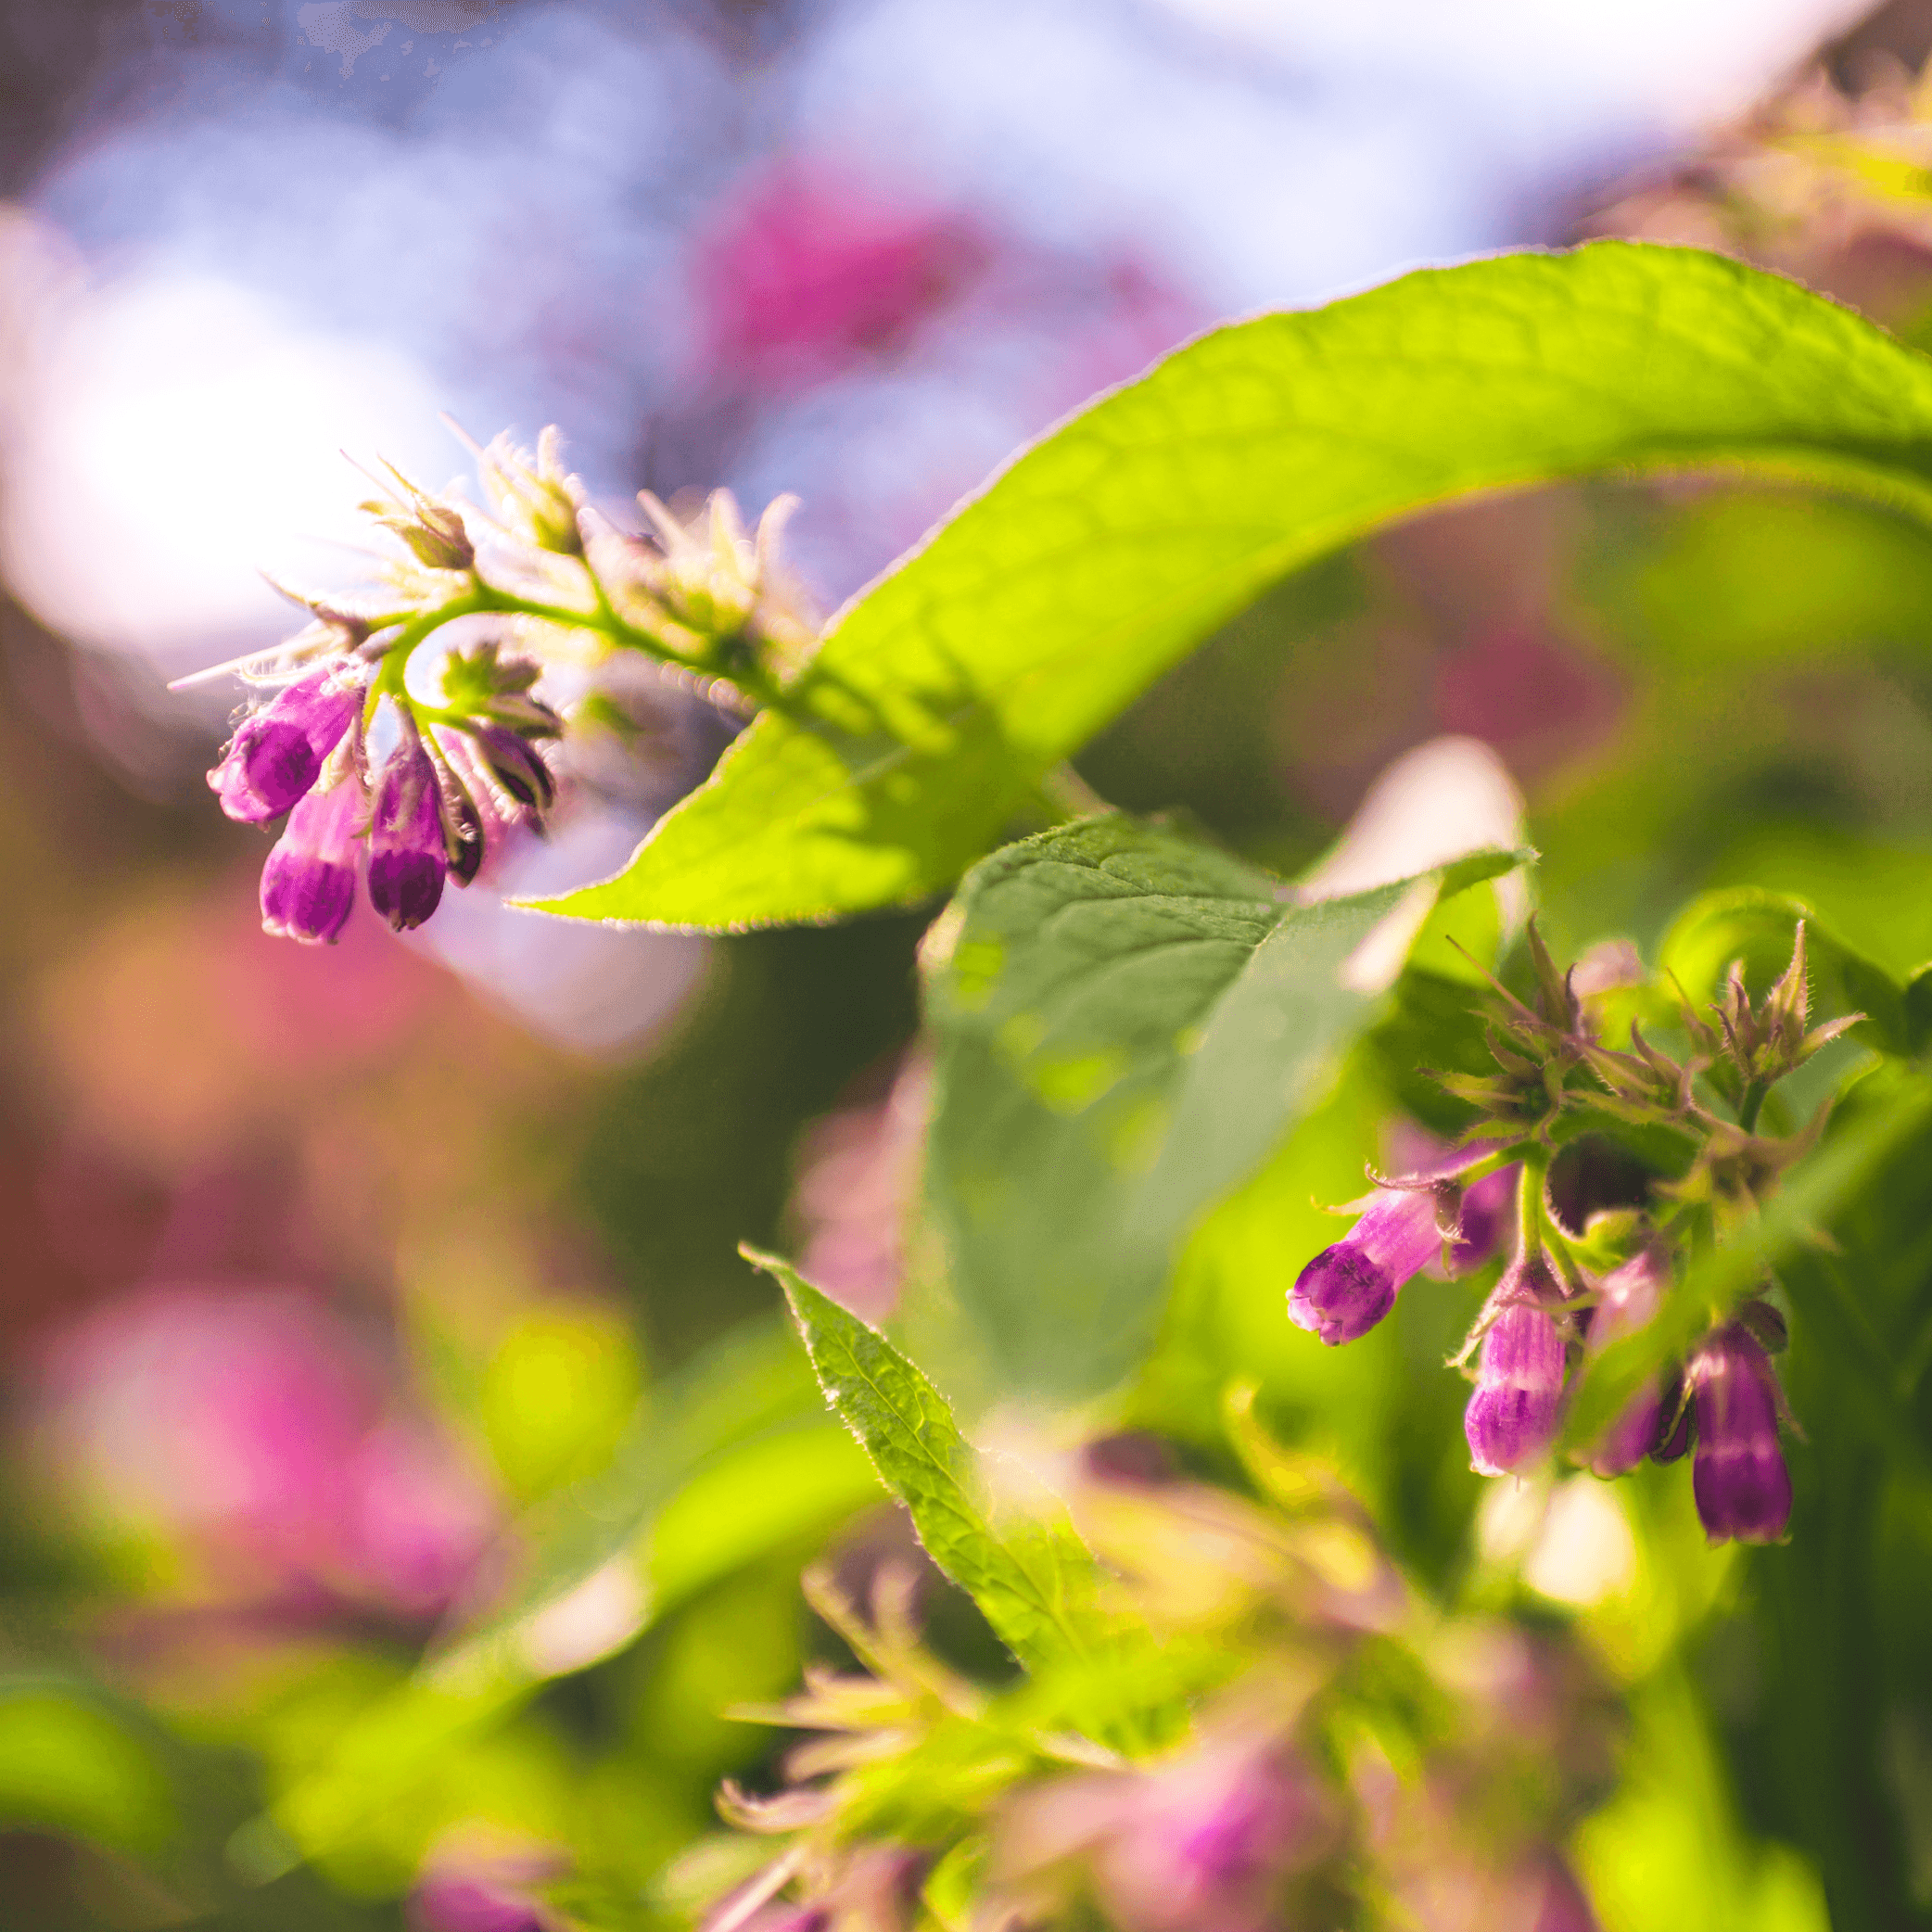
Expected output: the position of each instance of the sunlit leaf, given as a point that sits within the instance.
(1127, 1021)
(1105, 553)
(1032, 1579)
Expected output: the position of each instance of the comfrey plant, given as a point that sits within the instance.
(1141, 1046)
(486, 603)
(1562, 1293)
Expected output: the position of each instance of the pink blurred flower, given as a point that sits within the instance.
(858, 1169)
(251, 1427)
(809, 271)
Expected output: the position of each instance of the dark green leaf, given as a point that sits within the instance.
(1127, 1022)
(1106, 552)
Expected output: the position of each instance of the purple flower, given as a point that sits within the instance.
(481, 816)
(278, 753)
(408, 856)
(309, 883)
(1742, 1485)
(1485, 1214)
(1512, 1415)
(1632, 1294)
(1198, 1842)
(511, 761)
(1348, 1288)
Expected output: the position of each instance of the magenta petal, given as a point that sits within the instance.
(309, 883)
(1512, 1416)
(278, 753)
(1739, 1476)
(408, 854)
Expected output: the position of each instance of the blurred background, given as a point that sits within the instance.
(322, 1269)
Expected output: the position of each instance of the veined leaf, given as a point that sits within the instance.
(1108, 549)
(1035, 1581)
(1127, 1022)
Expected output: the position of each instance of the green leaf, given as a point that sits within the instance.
(1107, 552)
(1032, 1579)
(1718, 1281)
(1126, 1022)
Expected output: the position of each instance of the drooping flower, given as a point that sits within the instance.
(408, 850)
(278, 753)
(1349, 1286)
(512, 760)
(309, 883)
(1632, 1295)
(1738, 1475)
(1512, 1416)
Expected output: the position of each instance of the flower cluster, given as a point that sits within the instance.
(1579, 1279)
(1301, 1741)
(414, 774)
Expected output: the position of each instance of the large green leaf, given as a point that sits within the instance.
(1104, 554)
(1033, 1580)
(1127, 1022)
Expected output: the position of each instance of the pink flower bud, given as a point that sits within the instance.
(1347, 1288)
(278, 753)
(309, 883)
(408, 855)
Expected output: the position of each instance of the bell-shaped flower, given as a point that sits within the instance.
(408, 850)
(1738, 1475)
(309, 883)
(278, 753)
(1348, 1288)
(1512, 1416)
(1632, 1294)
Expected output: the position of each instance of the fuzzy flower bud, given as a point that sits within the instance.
(1512, 1416)
(1632, 1295)
(276, 754)
(309, 883)
(1742, 1485)
(408, 852)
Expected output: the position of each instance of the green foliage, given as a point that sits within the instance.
(1032, 1577)
(1127, 1021)
(1105, 553)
